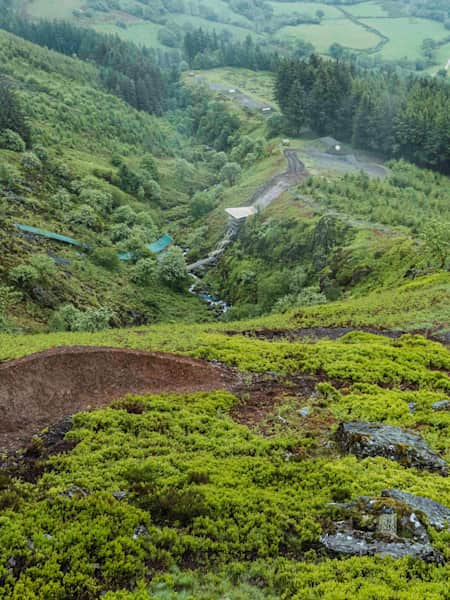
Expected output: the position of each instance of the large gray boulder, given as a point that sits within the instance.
(437, 514)
(375, 439)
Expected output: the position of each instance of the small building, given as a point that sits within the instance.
(239, 215)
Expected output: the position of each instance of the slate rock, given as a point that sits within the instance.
(441, 405)
(437, 514)
(375, 439)
(352, 543)
(76, 493)
(120, 495)
(140, 531)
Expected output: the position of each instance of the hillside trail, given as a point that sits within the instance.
(261, 199)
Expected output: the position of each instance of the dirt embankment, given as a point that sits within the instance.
(335, 333)
(40, 389)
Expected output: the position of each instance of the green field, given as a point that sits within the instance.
(367, 9)
(256, 84)
(53, 10)
(308, 8)
(322, 36)
(406, 35)
(140, 32)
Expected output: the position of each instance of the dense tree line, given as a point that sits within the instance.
(204, 50)
(12, 117)
(126, 70)
(399, 117)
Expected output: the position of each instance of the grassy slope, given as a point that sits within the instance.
(421, 304)
(82, 127)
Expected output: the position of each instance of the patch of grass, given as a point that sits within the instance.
(305, 8)
(47, 9)
(256, 84)
(411, 32)
(367, 9)
(341, 31)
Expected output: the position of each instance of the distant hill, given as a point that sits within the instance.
(409, 32)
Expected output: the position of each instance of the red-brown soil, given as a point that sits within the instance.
(40, 389)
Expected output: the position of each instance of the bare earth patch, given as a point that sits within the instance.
(40, 389)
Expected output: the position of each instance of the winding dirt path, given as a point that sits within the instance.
(40, 389)
(261, 199)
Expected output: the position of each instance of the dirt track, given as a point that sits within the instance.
(40, 389)
(261, 199)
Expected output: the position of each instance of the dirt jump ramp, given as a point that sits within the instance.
(38, 390)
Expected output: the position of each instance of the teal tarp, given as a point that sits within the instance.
(156, 247)
(48, 234)
(160, 245)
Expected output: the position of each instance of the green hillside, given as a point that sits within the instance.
(102, 173)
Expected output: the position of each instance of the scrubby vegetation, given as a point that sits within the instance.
(173, 482)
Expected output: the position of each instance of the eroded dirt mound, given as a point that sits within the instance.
(40, 389)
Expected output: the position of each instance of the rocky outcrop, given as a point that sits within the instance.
(380, 525)
(437, 514)
(375, 439)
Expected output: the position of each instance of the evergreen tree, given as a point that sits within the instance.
(11, 114)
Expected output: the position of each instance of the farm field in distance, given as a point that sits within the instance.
(357, 27)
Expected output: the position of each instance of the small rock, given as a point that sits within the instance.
(120, 495)
(441, 405)
(375, 439)
(305, 411)
(140, 531)
(76, 492)
(380, 525)
(437, 514)
(412, 407)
